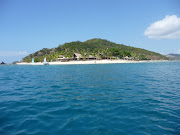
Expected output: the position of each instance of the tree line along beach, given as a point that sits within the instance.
(93, 51)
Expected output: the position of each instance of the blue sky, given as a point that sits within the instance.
(27, 26)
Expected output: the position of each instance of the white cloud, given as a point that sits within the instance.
(178, 51)
(13, 53)
(10, 56)
(167, 28)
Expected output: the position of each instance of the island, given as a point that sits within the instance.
(2, 63)
(92, 51)
(173, 56)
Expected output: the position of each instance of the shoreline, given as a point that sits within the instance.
(88, 62)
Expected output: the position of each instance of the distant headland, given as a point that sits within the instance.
(173, 56)
(2, 63)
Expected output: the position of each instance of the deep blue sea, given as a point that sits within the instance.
(104, 99)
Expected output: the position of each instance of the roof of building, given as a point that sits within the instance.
(77, 55)
(61, 56)
(90, 56)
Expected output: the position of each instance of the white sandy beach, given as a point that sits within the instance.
(84, 62)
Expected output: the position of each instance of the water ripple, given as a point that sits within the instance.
(102, 99)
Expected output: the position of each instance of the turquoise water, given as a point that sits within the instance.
(107, 99)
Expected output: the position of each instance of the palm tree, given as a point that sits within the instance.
(109, 54)
(94, 54)
(99, 53)
(83, 53)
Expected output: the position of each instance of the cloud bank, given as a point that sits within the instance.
(178, 51)
(10, 56)
(13, 53)
(167, 28)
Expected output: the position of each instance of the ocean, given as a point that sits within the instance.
(102, 99)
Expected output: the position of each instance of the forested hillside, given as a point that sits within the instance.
(98, 48)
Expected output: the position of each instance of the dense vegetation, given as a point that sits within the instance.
(99, 48)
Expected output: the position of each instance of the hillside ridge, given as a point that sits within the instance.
(99, 48)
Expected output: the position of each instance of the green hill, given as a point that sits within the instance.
(100, 48)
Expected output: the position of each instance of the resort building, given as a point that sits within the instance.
(61, 57)
(91, 57)
(128, 58)
(77, 56)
